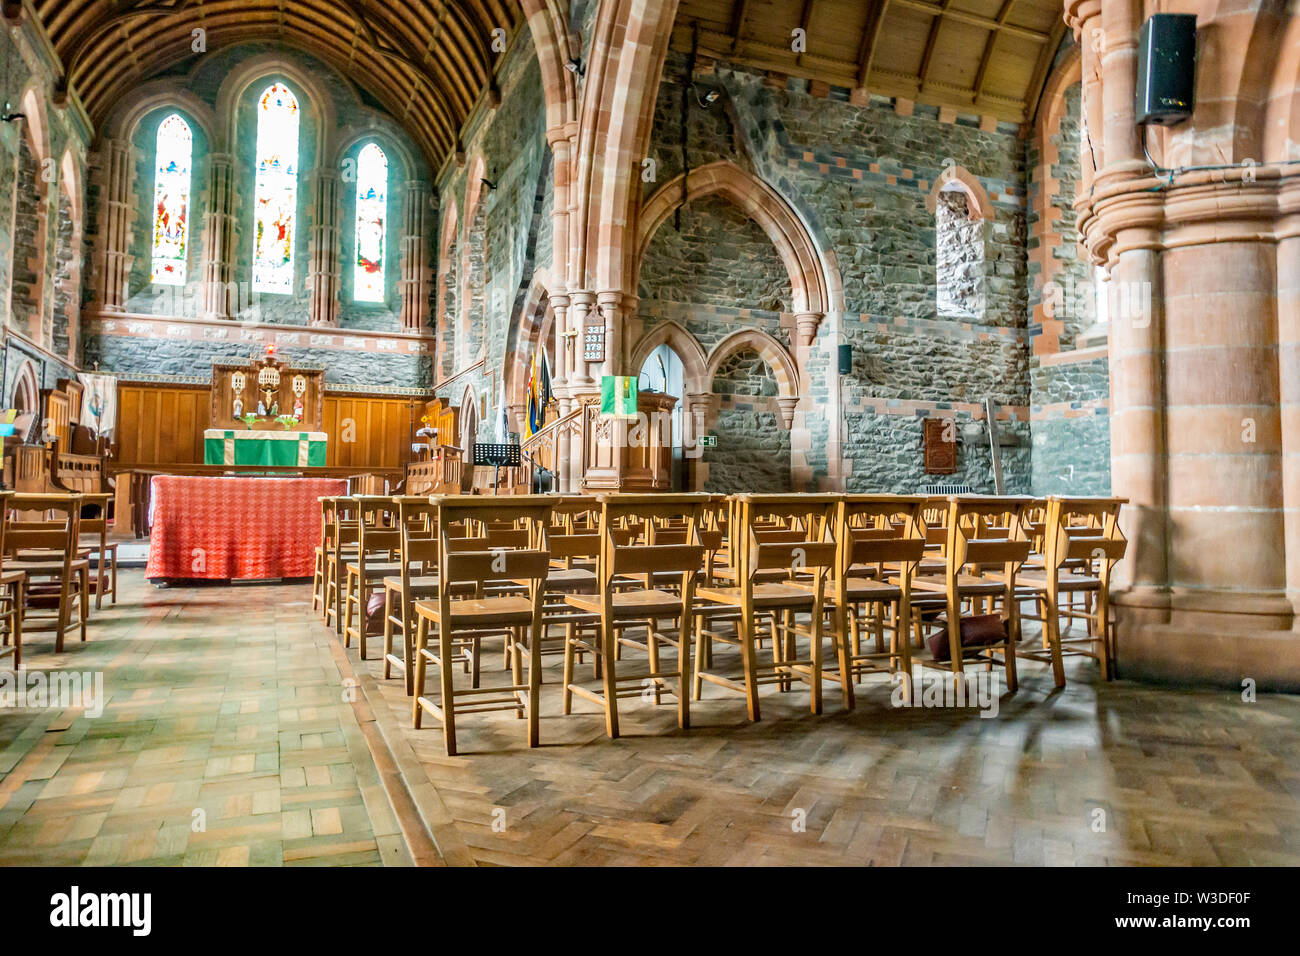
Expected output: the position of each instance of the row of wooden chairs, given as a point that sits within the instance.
(663, 574)
(54, 554)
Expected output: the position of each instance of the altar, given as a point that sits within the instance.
(258, 446)
(236, 528)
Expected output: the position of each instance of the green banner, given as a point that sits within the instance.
(618, 396)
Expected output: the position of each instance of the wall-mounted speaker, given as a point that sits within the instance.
(1166, 80)
(846, 359)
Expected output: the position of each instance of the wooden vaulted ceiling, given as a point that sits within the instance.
(986, 57)
(426, 61)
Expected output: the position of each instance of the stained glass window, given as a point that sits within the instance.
(276, 202)
(372, 212)
(171, 200)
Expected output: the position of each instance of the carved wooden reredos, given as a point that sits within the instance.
(263, 378)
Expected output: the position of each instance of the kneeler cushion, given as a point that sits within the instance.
(980, 630)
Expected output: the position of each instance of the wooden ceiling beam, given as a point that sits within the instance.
(739, 10)
(428, 65)
(931, 40)
(870, 34)
(990, 45)
(805, 20)
(975, 19)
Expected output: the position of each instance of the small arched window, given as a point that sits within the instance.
(959, 241)
(371, 225)
(275, 205)
(171, 200)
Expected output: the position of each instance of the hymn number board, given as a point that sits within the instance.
(593, 343)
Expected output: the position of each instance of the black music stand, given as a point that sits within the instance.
(496, 456)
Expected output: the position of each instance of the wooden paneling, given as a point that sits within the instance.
(164, 425)
(161, 424)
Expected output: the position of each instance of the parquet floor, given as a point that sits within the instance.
(231, 700)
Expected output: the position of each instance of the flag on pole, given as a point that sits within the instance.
(534, 412)
(618, 396)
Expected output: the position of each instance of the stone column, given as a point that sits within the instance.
(414, 285)
(115, 169)
(612, 308)
(221, 299)
(582, 304)
(1288, 360)
(323, 279)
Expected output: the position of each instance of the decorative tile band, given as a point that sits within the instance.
(1058, 410)
(236, 333)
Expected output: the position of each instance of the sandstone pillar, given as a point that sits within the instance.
(323, 250)
(414, 285)
(221, 300)
(115, 241)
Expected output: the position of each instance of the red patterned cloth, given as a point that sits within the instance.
(236, 528)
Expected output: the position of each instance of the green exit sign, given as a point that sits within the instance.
(708, 441)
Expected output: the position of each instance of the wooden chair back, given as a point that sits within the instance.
(498, 557)
(974, 539)
(622, 518)
(1086, 531)
(59, 531)
(792, 532)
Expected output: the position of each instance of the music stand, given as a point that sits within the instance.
(496, 456)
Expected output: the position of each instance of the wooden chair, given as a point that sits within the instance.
(43, 540)
(975, 541)
(1082, 542)
(378, 539)
(96, 547)
(340, 545)
(875, 531)
(12, 586)
(416, 580)
(318, 567)
(626, 597)
(463, 617)
(795, 536)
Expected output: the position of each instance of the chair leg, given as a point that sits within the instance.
(347, 610)
(83, 602)
(388, 632)
(420, 665)
(566, 697)
(534, 683)
(684, 672)
(701, 657)
(749, 654)
(609, 643)
(447, 688)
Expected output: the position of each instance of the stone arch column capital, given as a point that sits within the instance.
(806, 325)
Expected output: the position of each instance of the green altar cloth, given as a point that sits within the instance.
(222, 446)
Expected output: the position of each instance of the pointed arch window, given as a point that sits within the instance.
(276, 198)
(371, 225)
(173, 153)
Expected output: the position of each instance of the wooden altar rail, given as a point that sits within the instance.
(131, 493)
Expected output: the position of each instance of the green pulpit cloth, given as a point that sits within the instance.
(223, 446)
(618, 396)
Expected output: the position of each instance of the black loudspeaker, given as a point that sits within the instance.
(846, 359)
(1166, 80)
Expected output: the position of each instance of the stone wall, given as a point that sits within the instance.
(491, 258)
(858, 172)
(753, 450)
(1069, 377)
(39, 268)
